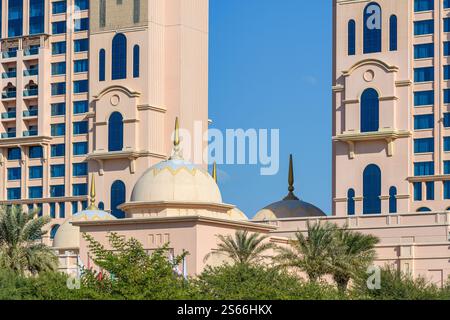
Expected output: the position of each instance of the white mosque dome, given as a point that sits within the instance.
(237, 214)
(289, 207)
(68, 235)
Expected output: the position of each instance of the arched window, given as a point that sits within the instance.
(351, 202)
(136, 61)
(101, 206)
(53, 231)
(372, 189)
(372, 28)
(102, 65)
(118, 194)
(115, 132)
(393, 200)
(119, 57)
(351, 37)
(393, 33)
(370, 111)
(424, 209)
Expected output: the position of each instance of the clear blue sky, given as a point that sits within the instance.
(270, 67)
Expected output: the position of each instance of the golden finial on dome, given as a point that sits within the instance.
(214, 172)
(176, 154)
(92, 194)
(176, 140)
(291, 195)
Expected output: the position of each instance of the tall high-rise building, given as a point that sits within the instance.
(92, 88)
(391, 106)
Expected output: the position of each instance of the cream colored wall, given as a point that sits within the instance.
(173, 82)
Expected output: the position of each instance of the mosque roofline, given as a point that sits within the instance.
(251, 226)
(174, 204)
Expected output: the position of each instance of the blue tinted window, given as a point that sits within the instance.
(58, 130)
(80, 86)
(447, 48)
(423, 27)
(425, 121)
(372, 190)
(35, 152)
(423, 98)
(14, 193)
(74, 207)
(35, 172)
(81, 66)
(446, 144)
(424, 145)
(418, 191)
(446, 167)
(447, 190)
(118, 197)
(393, 200)
(424, 209)
(446, 4)
(35, 192)
(446, 72)
(62, 210)
(80, 169)
(81, 45)
(351, 38)
(59, 27)
(119, 57)
(424, 169)
(447, 96)
(370, 111)
(57, 191)
(59, 47)
(58, 68)
(15, 18)
(351, 202)
(393, 33)
(58, 88)
(372, 28)
(80, 127)
(58, 109)
(81, 24)
(447, 120)
(59, 7)
(53, 231)
(422, 51)
(53, 210)
(102, 65)
(57, 171)
(80, 189)
(115, 132)
(14, 154)
(423, 5)
(14, 174)
(80, 107)
(82, 4)
(136, 61)
(80, 148)
(58, 150)
(37, 16)
(424, 74)
(446, 24)
(430, 190)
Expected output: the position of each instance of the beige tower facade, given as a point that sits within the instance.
(92, 88)
(391, 120)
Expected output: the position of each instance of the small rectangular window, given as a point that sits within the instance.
(423, 27)
(423, 98)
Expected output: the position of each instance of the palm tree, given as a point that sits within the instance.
(243, 248)
(310, 254)
(21, 249)
(353, 253)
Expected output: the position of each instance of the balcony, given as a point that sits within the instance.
(9, 135)
(9, 75)
(30, 133)
(30, 113)
(31, 72)
(9, 94)
(31, 51)
(30, 92)
(9, 115)
(9, 54)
